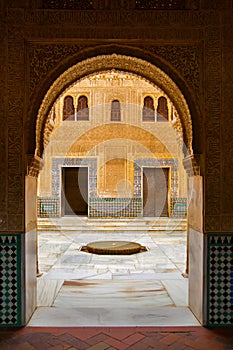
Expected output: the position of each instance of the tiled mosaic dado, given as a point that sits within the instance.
(111, 207)
(10, 280)
(115, 207)
(178, 207)
(220, 280)
(48, 207)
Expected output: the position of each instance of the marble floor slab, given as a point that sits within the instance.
(164, 252)
(84, 289)
(112, 294)
(95, 317)
(47, 291)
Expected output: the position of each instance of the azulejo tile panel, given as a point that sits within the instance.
(115, 207)
(178, 207)
(48, 207)
(220, 280)
(10, 280)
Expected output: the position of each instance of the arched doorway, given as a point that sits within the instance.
(44, 125)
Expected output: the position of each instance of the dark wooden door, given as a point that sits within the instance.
(155, 192)
(75, 191)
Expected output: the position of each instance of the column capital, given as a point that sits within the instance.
(34, 164)
(191, 164)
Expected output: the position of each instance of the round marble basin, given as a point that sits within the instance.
(114, 247)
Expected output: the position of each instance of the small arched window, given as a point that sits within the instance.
(148, 111)
(162, 110)
(115, 111)
(82, 109)
(68, 108)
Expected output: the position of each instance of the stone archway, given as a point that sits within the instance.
(191, 163)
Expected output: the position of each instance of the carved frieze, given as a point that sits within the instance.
(67, 4)
(227, 127)
(3, 129)
(15, 107)
(212, 126)
(112, 18)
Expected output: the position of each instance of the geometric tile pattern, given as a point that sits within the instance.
(220, 280)
(178, 207)
(10, 280)
(47, 207)
(115, 207)
(117, 338)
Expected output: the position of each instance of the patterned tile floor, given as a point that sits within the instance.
(117, 338)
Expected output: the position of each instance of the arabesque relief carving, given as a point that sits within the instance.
(43, 58)
(186, 59)
(213, 145)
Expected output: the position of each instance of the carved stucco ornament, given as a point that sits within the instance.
(119, 62)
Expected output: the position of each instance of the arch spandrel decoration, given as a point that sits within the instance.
(120, 62)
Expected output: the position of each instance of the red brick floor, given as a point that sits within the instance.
(117, 338)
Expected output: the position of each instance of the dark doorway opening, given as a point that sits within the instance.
(75, 191)
(155, 192)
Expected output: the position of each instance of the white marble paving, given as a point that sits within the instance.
(83, 317)
(112, 294)
(47, 290)
(92, 290)
(177, 291)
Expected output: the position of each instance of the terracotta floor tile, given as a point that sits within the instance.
(119, 338)
(170, 338)
(120, 332)
(99, 346)
(134, 338)
(97, 338)
(116, 344)
(141, 346)
(60, 347)
(72, 340)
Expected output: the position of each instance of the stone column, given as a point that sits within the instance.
(31, 239)
(195, 237)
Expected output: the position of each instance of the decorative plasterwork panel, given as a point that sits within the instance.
(126, 63)
(185, 58)
(213, 129)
